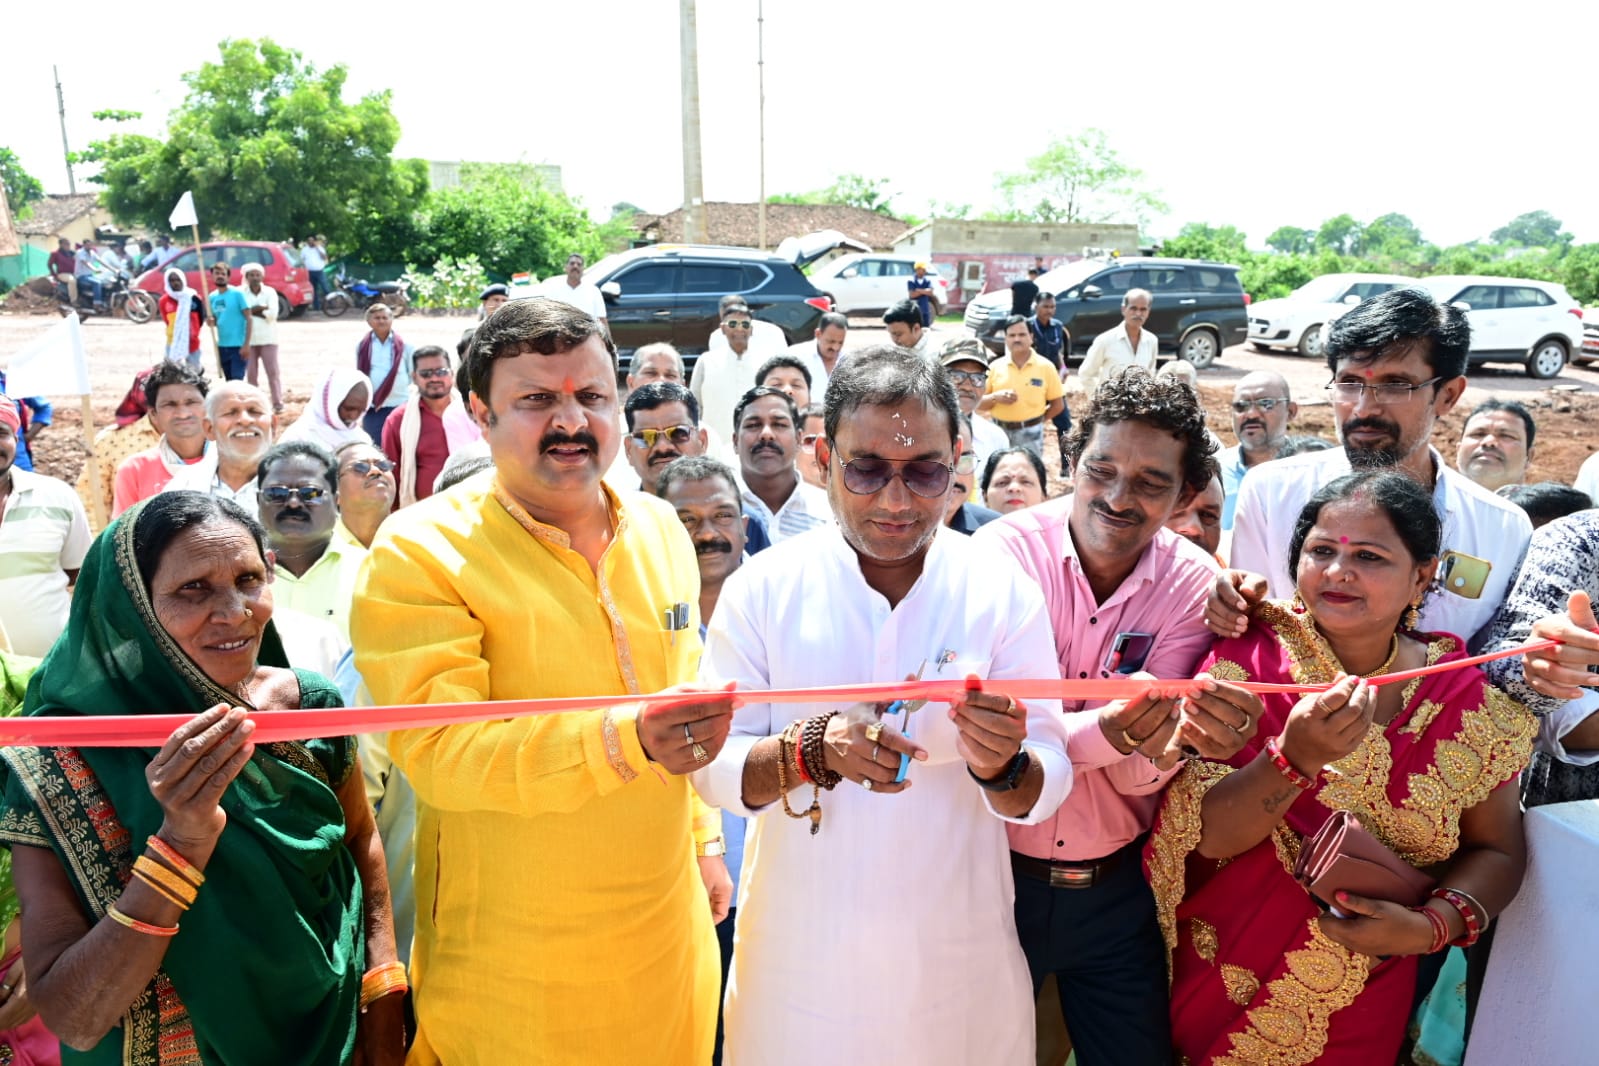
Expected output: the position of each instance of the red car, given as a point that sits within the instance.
(284, 271)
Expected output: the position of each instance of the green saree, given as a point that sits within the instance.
(267, 968)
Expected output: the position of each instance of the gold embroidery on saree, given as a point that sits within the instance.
(1204, 937)
(1241, 984)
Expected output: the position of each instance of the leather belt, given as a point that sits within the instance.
(1072, 874)
(1029, 424)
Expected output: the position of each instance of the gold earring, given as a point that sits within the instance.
(1298, 604)
(1412, 616)
(249, 613)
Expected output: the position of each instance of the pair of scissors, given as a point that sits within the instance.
(909, 707)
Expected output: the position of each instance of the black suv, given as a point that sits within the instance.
(1196, 307)
(670, 292)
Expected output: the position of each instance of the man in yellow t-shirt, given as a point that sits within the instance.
(563, 861)
(1024, 389)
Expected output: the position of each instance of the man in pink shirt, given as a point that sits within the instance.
(1127, 596)
(175, 394)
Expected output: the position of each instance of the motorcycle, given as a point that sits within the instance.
(361, 294)
(137, 305)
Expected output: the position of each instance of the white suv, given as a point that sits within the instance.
(1295, 321)
(1514, 320)
(861, 283)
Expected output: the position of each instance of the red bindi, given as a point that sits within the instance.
(567, 386)
(1343, 540)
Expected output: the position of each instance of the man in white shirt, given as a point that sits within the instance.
(965, 361)
(1129, 344)
(261, 340)
(238, 419)
(1262, 409)
(1399, 364)
(571, 289)
(765, 339)
(821, 353)
(315, 260)
(842, 937)
(768, 442)
(44, 533)
(722, 375)
(904, 324)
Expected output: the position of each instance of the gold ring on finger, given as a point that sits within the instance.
(700, 754)
(874, 732)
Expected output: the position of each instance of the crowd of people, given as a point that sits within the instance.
(710, 877)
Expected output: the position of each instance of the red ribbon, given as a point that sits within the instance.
(152, 730)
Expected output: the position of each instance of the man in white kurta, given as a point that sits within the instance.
(888, 935)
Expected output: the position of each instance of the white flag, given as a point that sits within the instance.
(53, 365)
(183, 214)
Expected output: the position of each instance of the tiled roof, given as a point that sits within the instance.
(738, 224)
(55, 211)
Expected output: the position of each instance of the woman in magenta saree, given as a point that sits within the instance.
(1259, 973)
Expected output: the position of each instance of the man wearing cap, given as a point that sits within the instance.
(965, 361)
(921, 290)
(44, 534)
(261, 333)
(490, 301)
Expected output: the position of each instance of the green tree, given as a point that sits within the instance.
(1079, 178)
(1391, 234)
(1291, 240)
(1200, 240)
(1340, 234)
(270, 149)
(851, 190)
(21, 187)
(1579, 272)
(1535, 229)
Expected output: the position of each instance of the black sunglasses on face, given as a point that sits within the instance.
(281, 494)
(363, 467)
(926, 478)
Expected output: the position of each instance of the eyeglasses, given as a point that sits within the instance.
(436, 372)
(363, 467)
(974, 377)
(281, 494)
(966, 463)
(809, 440)
(1267, 403)
(677, 435)
(1388, 392)
(734, 323)
(923, 477)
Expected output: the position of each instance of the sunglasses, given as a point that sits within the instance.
(281, 494)
(1267, 404)
(966, 463)
(363, 467)
(734, 323)
(677, 435)
(436, 372)
(926, 478)
(975, 377)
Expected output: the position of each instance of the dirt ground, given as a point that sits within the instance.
(1567, 413)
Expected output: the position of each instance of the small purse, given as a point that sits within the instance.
(1344, 857)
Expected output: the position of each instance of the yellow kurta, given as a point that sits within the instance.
(560, 913)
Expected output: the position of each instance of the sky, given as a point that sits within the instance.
(1460, 115)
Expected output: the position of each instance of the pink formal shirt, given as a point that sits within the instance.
(1114, 797)
(140, 476)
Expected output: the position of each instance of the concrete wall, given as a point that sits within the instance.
(1063, 240)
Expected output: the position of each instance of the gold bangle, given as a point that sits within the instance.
(138, 926)
(186, 869)
(382, 981)
(162, 891)
(153, 873)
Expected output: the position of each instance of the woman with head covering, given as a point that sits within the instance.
(332, 417)
(215, 900)
(183, 330)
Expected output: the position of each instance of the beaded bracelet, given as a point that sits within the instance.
(787, 745)
(138, 926)
(184, 867)
(1274, 751)
(1468, 914)
(811, 751)
(382, 981)
(1440, 929)
(164, 881)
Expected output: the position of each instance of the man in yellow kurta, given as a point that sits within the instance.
(561, 913)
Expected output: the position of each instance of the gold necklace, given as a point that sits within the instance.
(1336, 665)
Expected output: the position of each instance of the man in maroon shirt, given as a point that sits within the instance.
(63, 269)
(413, 434)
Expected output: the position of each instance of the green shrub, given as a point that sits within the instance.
(451, 284)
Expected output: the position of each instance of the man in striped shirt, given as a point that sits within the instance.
(44, 534)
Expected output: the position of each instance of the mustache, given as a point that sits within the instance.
(1380, 425)
(711, 547)
(1120, 516)
(767, 447)
(1257, 423)
(583, 439)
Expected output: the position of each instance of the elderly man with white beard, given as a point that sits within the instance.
(238, 419)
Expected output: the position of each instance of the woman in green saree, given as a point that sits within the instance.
(211, 901)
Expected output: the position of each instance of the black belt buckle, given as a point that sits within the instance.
(1073, 876)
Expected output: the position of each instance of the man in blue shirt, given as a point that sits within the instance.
(920, 289)
(230, 312)
(36, 413)
(1049, 341)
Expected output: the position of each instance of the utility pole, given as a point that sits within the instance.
(694, 228)
(760, 69)
(66, 149)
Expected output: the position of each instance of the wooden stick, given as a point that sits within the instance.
(92, 464)
(205, 294)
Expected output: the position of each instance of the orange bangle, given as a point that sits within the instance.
(183, 866)
(382, 981)
(137, 926)
(170, 884)
(162, 891)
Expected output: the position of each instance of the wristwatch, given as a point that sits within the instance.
(712, 847)
(1011, 779)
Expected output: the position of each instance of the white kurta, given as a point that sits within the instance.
(889, 937)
